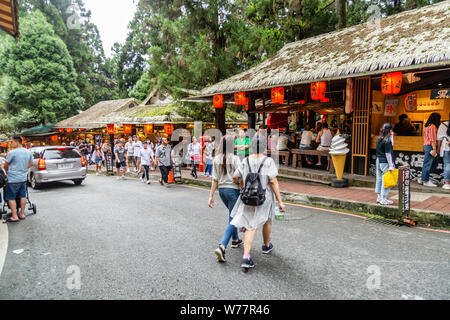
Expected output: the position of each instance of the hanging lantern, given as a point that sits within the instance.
(168, 128)
(127, 128)
(218, 101)
(61, 130)
(239, 98)
(69, 130)
(301, 102)
(110, 128)
(54, 138)
(4, 145)
(148, 128)
(278, 95)
(318, 90)
(391, 83)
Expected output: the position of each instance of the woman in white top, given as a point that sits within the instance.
(324, 138)
(253, 217)
(224, 165)
(194, 152)
(209, 147)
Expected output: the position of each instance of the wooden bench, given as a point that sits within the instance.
(284, 156)
(297, 156)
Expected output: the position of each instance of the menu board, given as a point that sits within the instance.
(425, 103)
(390, 108)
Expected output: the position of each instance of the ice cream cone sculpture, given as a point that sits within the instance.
(338, 152)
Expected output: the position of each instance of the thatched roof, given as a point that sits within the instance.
(89, 118)
(405, 41)
(9, 18)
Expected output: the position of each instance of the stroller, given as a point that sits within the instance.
(5, 207)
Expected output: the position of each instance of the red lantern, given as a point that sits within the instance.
(239, 98)
(318, 90)
(168, 128)
(4, 145)
(127, 128)
(110, 128)
(54, 138)
(148, 128)
(218, 101)
(278, 95)
(69, 130)
(391, 83)
(301, 102)
(277, 120)
(61, 130)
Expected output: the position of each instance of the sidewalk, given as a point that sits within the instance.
(427, 208)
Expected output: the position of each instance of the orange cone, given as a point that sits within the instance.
(171, 180)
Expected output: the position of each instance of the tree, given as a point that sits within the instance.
(38, 74)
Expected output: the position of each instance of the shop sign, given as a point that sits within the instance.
(411, 102)
(440, 94)
(424, 103)
(391, 107)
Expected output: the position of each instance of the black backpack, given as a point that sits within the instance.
(3, 178)
(253, 193)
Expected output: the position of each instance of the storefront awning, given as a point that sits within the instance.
(9, 19)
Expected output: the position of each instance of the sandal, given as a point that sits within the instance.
(20, 218)
(11, 220)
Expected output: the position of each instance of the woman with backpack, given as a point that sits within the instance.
(224, 165)
(256, 205)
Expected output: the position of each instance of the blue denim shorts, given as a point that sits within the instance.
(15, 191)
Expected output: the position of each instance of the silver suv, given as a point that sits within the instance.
(52, 164)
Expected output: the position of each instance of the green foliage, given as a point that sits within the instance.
(39, 78)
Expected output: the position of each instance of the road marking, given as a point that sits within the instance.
(3, 244)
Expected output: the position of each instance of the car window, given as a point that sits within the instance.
(57, 154)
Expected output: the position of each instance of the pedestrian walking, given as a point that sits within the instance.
(137, 145)
(130, 153)
(384, 162)
(147, 157)
(225, 163)
(163, 159)
(98, 157)
(209, 148)
(194, 152)
(242, 145)
(254, 217)
(119, 151)
(16, 166)
(430, 149)
(443, 138)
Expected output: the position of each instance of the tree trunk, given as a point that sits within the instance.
(341, 14)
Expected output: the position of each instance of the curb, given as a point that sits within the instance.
(423, 217)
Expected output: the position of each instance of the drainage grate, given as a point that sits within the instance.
(385, 222)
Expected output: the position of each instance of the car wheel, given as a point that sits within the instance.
(33, 182)
(78, 182)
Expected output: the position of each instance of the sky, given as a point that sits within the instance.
(112, 18)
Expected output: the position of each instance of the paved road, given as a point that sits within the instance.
(134, 241)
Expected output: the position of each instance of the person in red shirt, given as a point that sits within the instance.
(430, 149)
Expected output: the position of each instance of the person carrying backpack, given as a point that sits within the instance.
(256, 204)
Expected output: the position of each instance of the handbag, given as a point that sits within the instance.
(390, 179)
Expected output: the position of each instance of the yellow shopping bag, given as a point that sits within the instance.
(390, 179)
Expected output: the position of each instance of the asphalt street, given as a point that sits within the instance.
(129, 240)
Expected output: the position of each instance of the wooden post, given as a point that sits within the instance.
(220, 119)
(251, 115)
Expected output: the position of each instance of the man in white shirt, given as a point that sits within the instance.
(147, 157)
(305, 143)
(443, 139)
(130, 153)
(137, 146)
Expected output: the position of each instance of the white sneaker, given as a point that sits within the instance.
(379, 198)
(96, 174)
(419, 181)
(118, 178)
(386, 202)
(446, 186)
(148, 182)
(429, 184)
(128, 170)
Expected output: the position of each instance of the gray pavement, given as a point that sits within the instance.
(135, 241)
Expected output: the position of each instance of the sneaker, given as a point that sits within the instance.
(220, 253)
(96, 173)
(148, 181)
(386, 202)
(429, 184)
(379, 199)
(123, 177)
(247, 263)
(236, 243)
(419, 181)
(160, 182)
(267, 249)
(446, 186)
(118, 178)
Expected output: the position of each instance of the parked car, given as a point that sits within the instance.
(52, 164)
